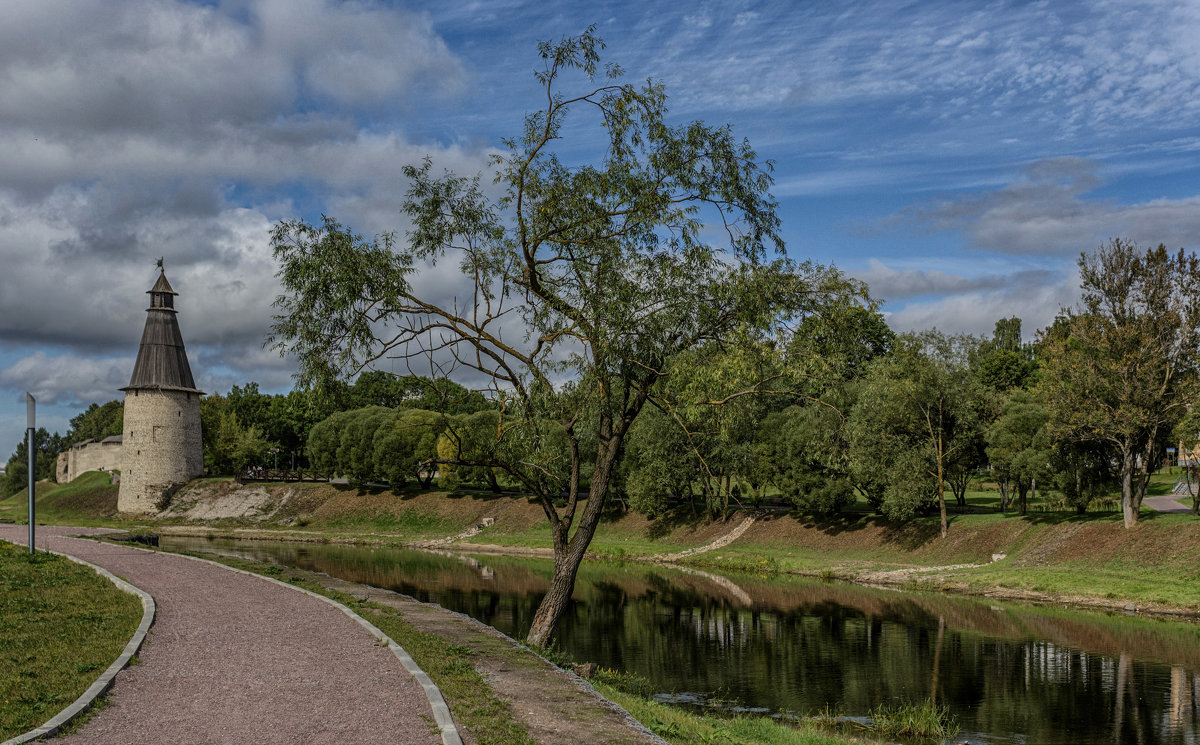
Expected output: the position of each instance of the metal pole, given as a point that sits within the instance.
(29, 434)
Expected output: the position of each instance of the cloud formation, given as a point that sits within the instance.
(165, 128)
(1049, 211)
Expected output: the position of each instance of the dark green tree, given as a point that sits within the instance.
(406, 447)
(606, 265)
(1019, 448)
(1121, 368)
(46, 449)
(919, 421)
(96, 423)
(807, 457)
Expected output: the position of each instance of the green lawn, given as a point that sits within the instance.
(61, 626)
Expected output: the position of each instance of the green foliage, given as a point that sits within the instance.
(918, 422)
(230, 447)
(406, 447)
(1121, 369)
(837, 346)
(1003, 362)
(468, 446)
(1082, 472)
(604, 265)
(96, 423)
(46, 448)
(1019, 448)
(324, 440)
(806, 457)
(659, 463)
(356, 452)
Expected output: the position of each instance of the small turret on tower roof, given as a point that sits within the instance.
(162, 362)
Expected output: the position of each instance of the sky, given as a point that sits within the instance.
(957, 156)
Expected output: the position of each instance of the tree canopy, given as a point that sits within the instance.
(1121, 368)
(584, 282)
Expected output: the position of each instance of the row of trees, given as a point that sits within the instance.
(246, 427)
(599, 314)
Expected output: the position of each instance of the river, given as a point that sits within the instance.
(1010, 672)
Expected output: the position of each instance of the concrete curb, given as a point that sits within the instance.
(105, 680)
(441, 712)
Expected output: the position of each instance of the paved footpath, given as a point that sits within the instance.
(233, 658)
(1166, 503)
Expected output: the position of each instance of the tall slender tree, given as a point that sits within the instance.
(588, 280)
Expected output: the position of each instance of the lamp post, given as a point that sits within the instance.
(29, 433)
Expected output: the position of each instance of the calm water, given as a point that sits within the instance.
(1011, 673)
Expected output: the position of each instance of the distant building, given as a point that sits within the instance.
(161, 445)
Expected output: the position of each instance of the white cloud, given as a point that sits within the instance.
(68, 379)
(977, 312)
(891, 284)
(1048, 212)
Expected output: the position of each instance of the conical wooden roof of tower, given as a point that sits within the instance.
(162, 362)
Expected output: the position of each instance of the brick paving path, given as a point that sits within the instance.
(233, 658)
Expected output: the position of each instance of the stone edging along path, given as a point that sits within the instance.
(232, 662)
(102, 684)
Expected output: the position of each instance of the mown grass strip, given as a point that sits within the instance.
(681, 727)
(61, 626)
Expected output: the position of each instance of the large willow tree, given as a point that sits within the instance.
(586, 282)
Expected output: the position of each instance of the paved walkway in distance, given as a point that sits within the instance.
(1166, 503)
(233, 658)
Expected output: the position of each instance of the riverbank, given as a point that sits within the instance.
(1088, 560)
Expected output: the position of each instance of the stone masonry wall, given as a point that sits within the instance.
(162, 447)
(92, 456)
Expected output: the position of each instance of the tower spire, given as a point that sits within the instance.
(162, 362)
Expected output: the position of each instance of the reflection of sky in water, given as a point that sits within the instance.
(1010, 673)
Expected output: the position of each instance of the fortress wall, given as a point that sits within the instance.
(162, 447)
(91, 456)
(95, 456)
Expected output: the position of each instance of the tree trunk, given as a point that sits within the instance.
(1129, 507)
(568, 555)
(1003, 485)
(941, 487)
(1192, 492)
(1022, 492)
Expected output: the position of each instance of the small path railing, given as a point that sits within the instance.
(281, 474)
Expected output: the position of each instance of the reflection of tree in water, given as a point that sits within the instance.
(1047, 675)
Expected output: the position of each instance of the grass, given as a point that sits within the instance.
(89, 500)
(923, 721)
(681, 727)
(61, 626)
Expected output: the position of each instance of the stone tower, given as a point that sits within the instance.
(161, 442)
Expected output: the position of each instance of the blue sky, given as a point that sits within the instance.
(958, 156)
